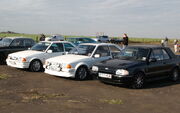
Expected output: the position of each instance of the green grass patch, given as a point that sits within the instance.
(34, 95)
(3, 76)
(111, 101)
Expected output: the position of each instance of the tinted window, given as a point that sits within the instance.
(6, 41)
(115, 52)
(57, 47)
(68, 47)
(114, 49)
(166, 56)
(157, 54)
(41, 46)
(28, 42)
(86, 50)
(17, 42)
(134, 53)
(103, 51)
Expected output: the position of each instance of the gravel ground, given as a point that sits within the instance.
(22, 91)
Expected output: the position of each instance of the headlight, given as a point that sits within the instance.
(122, 72)
(46, 63)
(95, 68)
(8, 57)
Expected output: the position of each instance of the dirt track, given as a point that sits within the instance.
(27, 92)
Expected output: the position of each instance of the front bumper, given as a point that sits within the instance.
(67, 73)
(17, 64)
(117, 80)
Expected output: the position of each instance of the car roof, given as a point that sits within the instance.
(56, 41)
(78, 37)
(95, 44)
(18, 38)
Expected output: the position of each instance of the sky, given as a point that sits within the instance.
(137, 18)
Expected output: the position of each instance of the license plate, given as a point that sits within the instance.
(104, 75)
(12, 62)
(53, 68)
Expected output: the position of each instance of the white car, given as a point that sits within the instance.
(55, 38)
(103, 39)
(34, 58)
(78, 65)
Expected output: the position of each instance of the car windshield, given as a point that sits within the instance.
(78, 41)
(86, 50)
(134, 54)
(6, 41)
(41, 46)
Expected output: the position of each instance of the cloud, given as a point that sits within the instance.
(138, 17)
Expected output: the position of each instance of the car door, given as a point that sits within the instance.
(102, 52)
(16, 45)
(157, 68)
(56, 49)
(167, 61)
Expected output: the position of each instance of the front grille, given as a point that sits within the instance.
(54, 66)
(105, 69)
(13, 58)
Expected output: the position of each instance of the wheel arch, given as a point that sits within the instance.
(34, 59)
(139, 71)
(82, 65)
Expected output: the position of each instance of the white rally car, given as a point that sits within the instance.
(34, 58)
(78, 64)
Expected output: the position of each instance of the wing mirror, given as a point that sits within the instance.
(96, 55)
(49, 51)
(152, 60)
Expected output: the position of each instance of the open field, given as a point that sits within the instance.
(135, 40)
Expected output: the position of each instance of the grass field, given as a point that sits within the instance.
(36, 37)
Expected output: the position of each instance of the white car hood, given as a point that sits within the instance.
(26, 53)
(68, 58)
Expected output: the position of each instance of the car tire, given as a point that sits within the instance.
(138, 81)
(175, 75)
(81, 73)
(35, 66)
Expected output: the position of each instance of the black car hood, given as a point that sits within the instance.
(118, 63)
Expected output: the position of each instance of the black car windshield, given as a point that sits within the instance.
(6, 41)
(134, 53)
(41, 46)
(83, 50)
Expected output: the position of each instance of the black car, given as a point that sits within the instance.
(139, 64)
(13, 44)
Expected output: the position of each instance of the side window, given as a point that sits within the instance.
(157, 53)
(166, 56)
(28, 43)
(17, 42)
(114, 51)
(103, 51)
(68, 47)
(57, 47)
